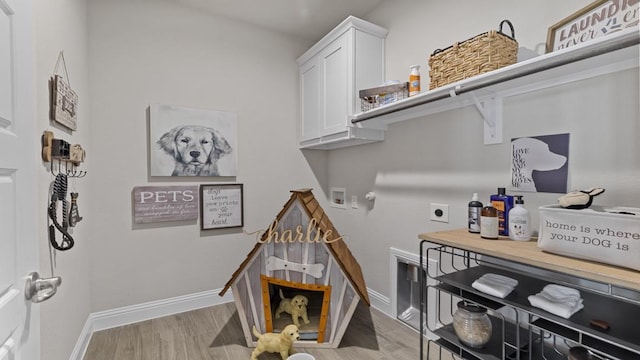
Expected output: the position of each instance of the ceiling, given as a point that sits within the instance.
(306, 19)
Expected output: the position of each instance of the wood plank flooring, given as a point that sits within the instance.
(215, 333)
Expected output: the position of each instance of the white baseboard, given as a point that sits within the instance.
(379, 301)
(108, 319)
(83, 341)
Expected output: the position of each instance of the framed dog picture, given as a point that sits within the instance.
(221, 206)
(192, 142)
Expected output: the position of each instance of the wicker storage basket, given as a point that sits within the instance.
(482, 53)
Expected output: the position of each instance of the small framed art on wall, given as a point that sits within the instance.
(221, 206)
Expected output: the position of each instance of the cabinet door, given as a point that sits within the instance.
(334, 63)
(310, 103)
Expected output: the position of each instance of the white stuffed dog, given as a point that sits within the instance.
(281, 343)
(296, 306)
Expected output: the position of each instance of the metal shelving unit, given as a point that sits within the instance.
(520, 331)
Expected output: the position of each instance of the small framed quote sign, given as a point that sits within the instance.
(152, 204)
(221, 206)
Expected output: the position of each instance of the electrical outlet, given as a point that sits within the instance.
(440, 212)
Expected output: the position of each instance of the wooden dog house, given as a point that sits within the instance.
(300, 254)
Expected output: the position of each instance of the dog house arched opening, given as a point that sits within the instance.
(305, 305)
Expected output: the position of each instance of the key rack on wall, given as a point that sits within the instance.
(64, 160)
(62, 157)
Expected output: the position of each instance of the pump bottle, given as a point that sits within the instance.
(519, 221)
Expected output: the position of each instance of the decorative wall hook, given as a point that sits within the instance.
(68, 157)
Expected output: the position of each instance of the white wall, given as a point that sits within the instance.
(61, 26)
(138, 53)
(121, 57)
(158, 52)
(441, 158)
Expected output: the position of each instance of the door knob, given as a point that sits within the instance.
(40, 289)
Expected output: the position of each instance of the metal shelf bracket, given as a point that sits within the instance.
(491, 111)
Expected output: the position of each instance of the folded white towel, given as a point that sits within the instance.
(500, 279)
(494, 284)
(565, 310)
(490, 288)
(558, 300)
(561, 293)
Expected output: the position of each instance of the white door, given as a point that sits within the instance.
(19, 143)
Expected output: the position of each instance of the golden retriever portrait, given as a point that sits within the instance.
(281, 343)
(296, 306)
(195, 150)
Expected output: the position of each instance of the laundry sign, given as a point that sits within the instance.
(152, 204)
(600, 18)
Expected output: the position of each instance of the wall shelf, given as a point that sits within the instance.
(614, 53)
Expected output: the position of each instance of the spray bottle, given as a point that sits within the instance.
(414, 80)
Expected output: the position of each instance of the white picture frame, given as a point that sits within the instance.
(221, 206)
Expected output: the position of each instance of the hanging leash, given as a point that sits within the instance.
(59, 193)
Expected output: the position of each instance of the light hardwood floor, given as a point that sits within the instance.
(216, 333)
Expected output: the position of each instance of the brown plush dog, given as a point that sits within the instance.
(296, 306)
(276, 343)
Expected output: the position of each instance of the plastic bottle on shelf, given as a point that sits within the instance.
(414, 80)
(489, 222)
(475, 207)
(519, 221)
(503, 203)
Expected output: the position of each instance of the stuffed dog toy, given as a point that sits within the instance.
(281, 343)
(580, 199)
(296, 307)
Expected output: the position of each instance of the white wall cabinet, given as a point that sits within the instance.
(332, 72)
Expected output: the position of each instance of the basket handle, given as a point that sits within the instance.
(513, 35)
(513, 32)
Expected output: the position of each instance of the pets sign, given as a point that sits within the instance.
(152, 204)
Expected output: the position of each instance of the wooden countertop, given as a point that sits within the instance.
(527, 252)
